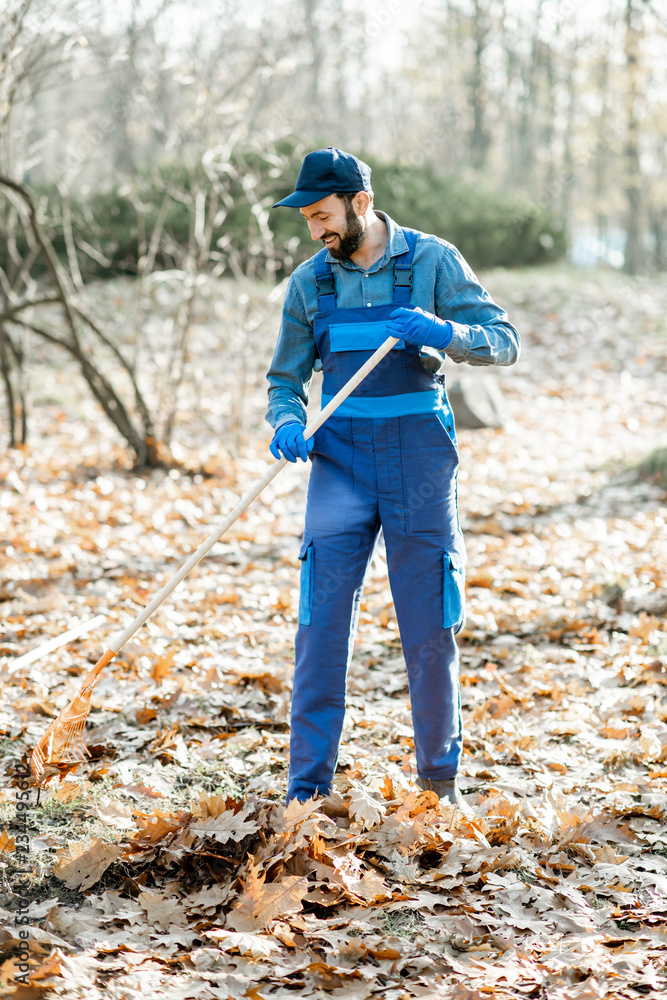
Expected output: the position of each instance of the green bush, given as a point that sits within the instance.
(491, 228)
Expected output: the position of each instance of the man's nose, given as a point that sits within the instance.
(317, 230)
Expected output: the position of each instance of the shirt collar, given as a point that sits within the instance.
(396, 244)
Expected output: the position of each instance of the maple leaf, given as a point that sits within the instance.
(81, 865)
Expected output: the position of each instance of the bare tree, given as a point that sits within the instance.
(480, 138)
(140, 438)
(633, 178)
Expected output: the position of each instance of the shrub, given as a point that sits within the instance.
(491, 228)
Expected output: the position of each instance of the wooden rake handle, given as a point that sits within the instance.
(248, 497)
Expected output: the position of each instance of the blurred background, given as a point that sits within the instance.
(143, 143)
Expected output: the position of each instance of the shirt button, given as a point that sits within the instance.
(365, 276)
(368, 303)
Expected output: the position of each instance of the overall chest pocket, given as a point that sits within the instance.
(359, 337)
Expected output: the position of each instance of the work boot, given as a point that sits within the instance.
(445, 788)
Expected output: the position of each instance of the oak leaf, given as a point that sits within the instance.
(81, 865)
(227, 826)
(370, 887)
(115, 813)
(163, 910)
(260, 903)
(244, 942)
(295, 813)
(207, 899)
(7, 843)
(364, 808)
(67, 791)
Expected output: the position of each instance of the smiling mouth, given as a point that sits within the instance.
(328, 240)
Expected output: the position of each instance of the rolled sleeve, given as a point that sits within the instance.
(291, 369)
(481, 331)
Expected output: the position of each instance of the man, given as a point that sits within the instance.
(387, 458)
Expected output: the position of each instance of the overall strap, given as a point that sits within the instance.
(403, 269)
(326, 289)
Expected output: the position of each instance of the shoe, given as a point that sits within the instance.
(444, 788)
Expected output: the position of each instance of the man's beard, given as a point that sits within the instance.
(351, 239)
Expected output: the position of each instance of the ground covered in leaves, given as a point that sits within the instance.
(168, 865)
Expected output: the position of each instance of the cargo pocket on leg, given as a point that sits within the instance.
(453, 592)
(306, 586)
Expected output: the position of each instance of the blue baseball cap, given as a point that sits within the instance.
(325, 171)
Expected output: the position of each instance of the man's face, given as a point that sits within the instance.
(336, 223)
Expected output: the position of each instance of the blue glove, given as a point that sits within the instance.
(418, 327)
(289, 441)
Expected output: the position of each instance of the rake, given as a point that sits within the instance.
(62, 743)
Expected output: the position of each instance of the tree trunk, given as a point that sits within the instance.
(568, 152)
(633, 247)
(313, 41)
(9, 388)
(602, 157)
(525, 167)
(479, 139)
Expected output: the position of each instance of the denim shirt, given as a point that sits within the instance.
(443, 283)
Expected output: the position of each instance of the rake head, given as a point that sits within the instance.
(62, 743)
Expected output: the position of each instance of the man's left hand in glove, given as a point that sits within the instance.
(415, 326)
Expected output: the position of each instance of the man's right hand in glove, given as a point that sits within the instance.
(289, 442)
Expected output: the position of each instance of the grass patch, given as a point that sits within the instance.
(654, 467)
(403, 923)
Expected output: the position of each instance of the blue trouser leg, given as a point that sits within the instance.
(416, 570)
(400, 474)
(425, 559)
(340, 532)
(323, 649)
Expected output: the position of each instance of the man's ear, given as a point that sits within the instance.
(362, 201)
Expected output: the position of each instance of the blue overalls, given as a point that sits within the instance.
(387, 458)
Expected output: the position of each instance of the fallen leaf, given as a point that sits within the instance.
(81, 864)
(226, 826)
(7, 843)
(67, 791)
(163, 910)
(260, 903)
(115, 813)
(364, 808)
